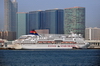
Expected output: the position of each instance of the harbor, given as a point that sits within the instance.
(33, 40)
(4, 46)
(48, 41)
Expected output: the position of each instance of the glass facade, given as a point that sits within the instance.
(22, 18)
(51, 21)
(42, 20)
(10, 8)
(60, 21)
(7, 16)
(27, 23)
(54, 21)
(74, 20)
(48, 19)
(34, 20)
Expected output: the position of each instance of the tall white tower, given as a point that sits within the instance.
(10, 10)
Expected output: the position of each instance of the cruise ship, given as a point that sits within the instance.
(49, 41)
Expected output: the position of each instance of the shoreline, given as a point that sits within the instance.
(41, 49)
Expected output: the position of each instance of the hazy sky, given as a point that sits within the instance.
(92, 8)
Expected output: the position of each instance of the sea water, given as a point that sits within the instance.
(72, 57)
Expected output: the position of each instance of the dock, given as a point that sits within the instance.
(7, 48)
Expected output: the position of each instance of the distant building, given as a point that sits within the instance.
(74, 20)
(10, 10)
(54, 21)
(22, 19)
(48, 19)
(42, 20)
(34, 20)
(92, 33)
(8, 35)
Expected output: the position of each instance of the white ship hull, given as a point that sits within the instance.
(50, 41)
(51, 46)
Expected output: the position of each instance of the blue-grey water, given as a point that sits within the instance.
(77, 57)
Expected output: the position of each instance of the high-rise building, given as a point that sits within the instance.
(34, 20)
(10, 10)
(74, 20)
(42, 19)
(48, 19)
(54, 21)
(92, 33)
(60, 21)
(27, 24)
(22, 20)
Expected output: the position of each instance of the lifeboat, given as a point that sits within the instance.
(44, 42)
(49, 41)
(67, 42)
(40, 42)
(53, 42)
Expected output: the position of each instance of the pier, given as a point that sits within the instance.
(93, 43)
